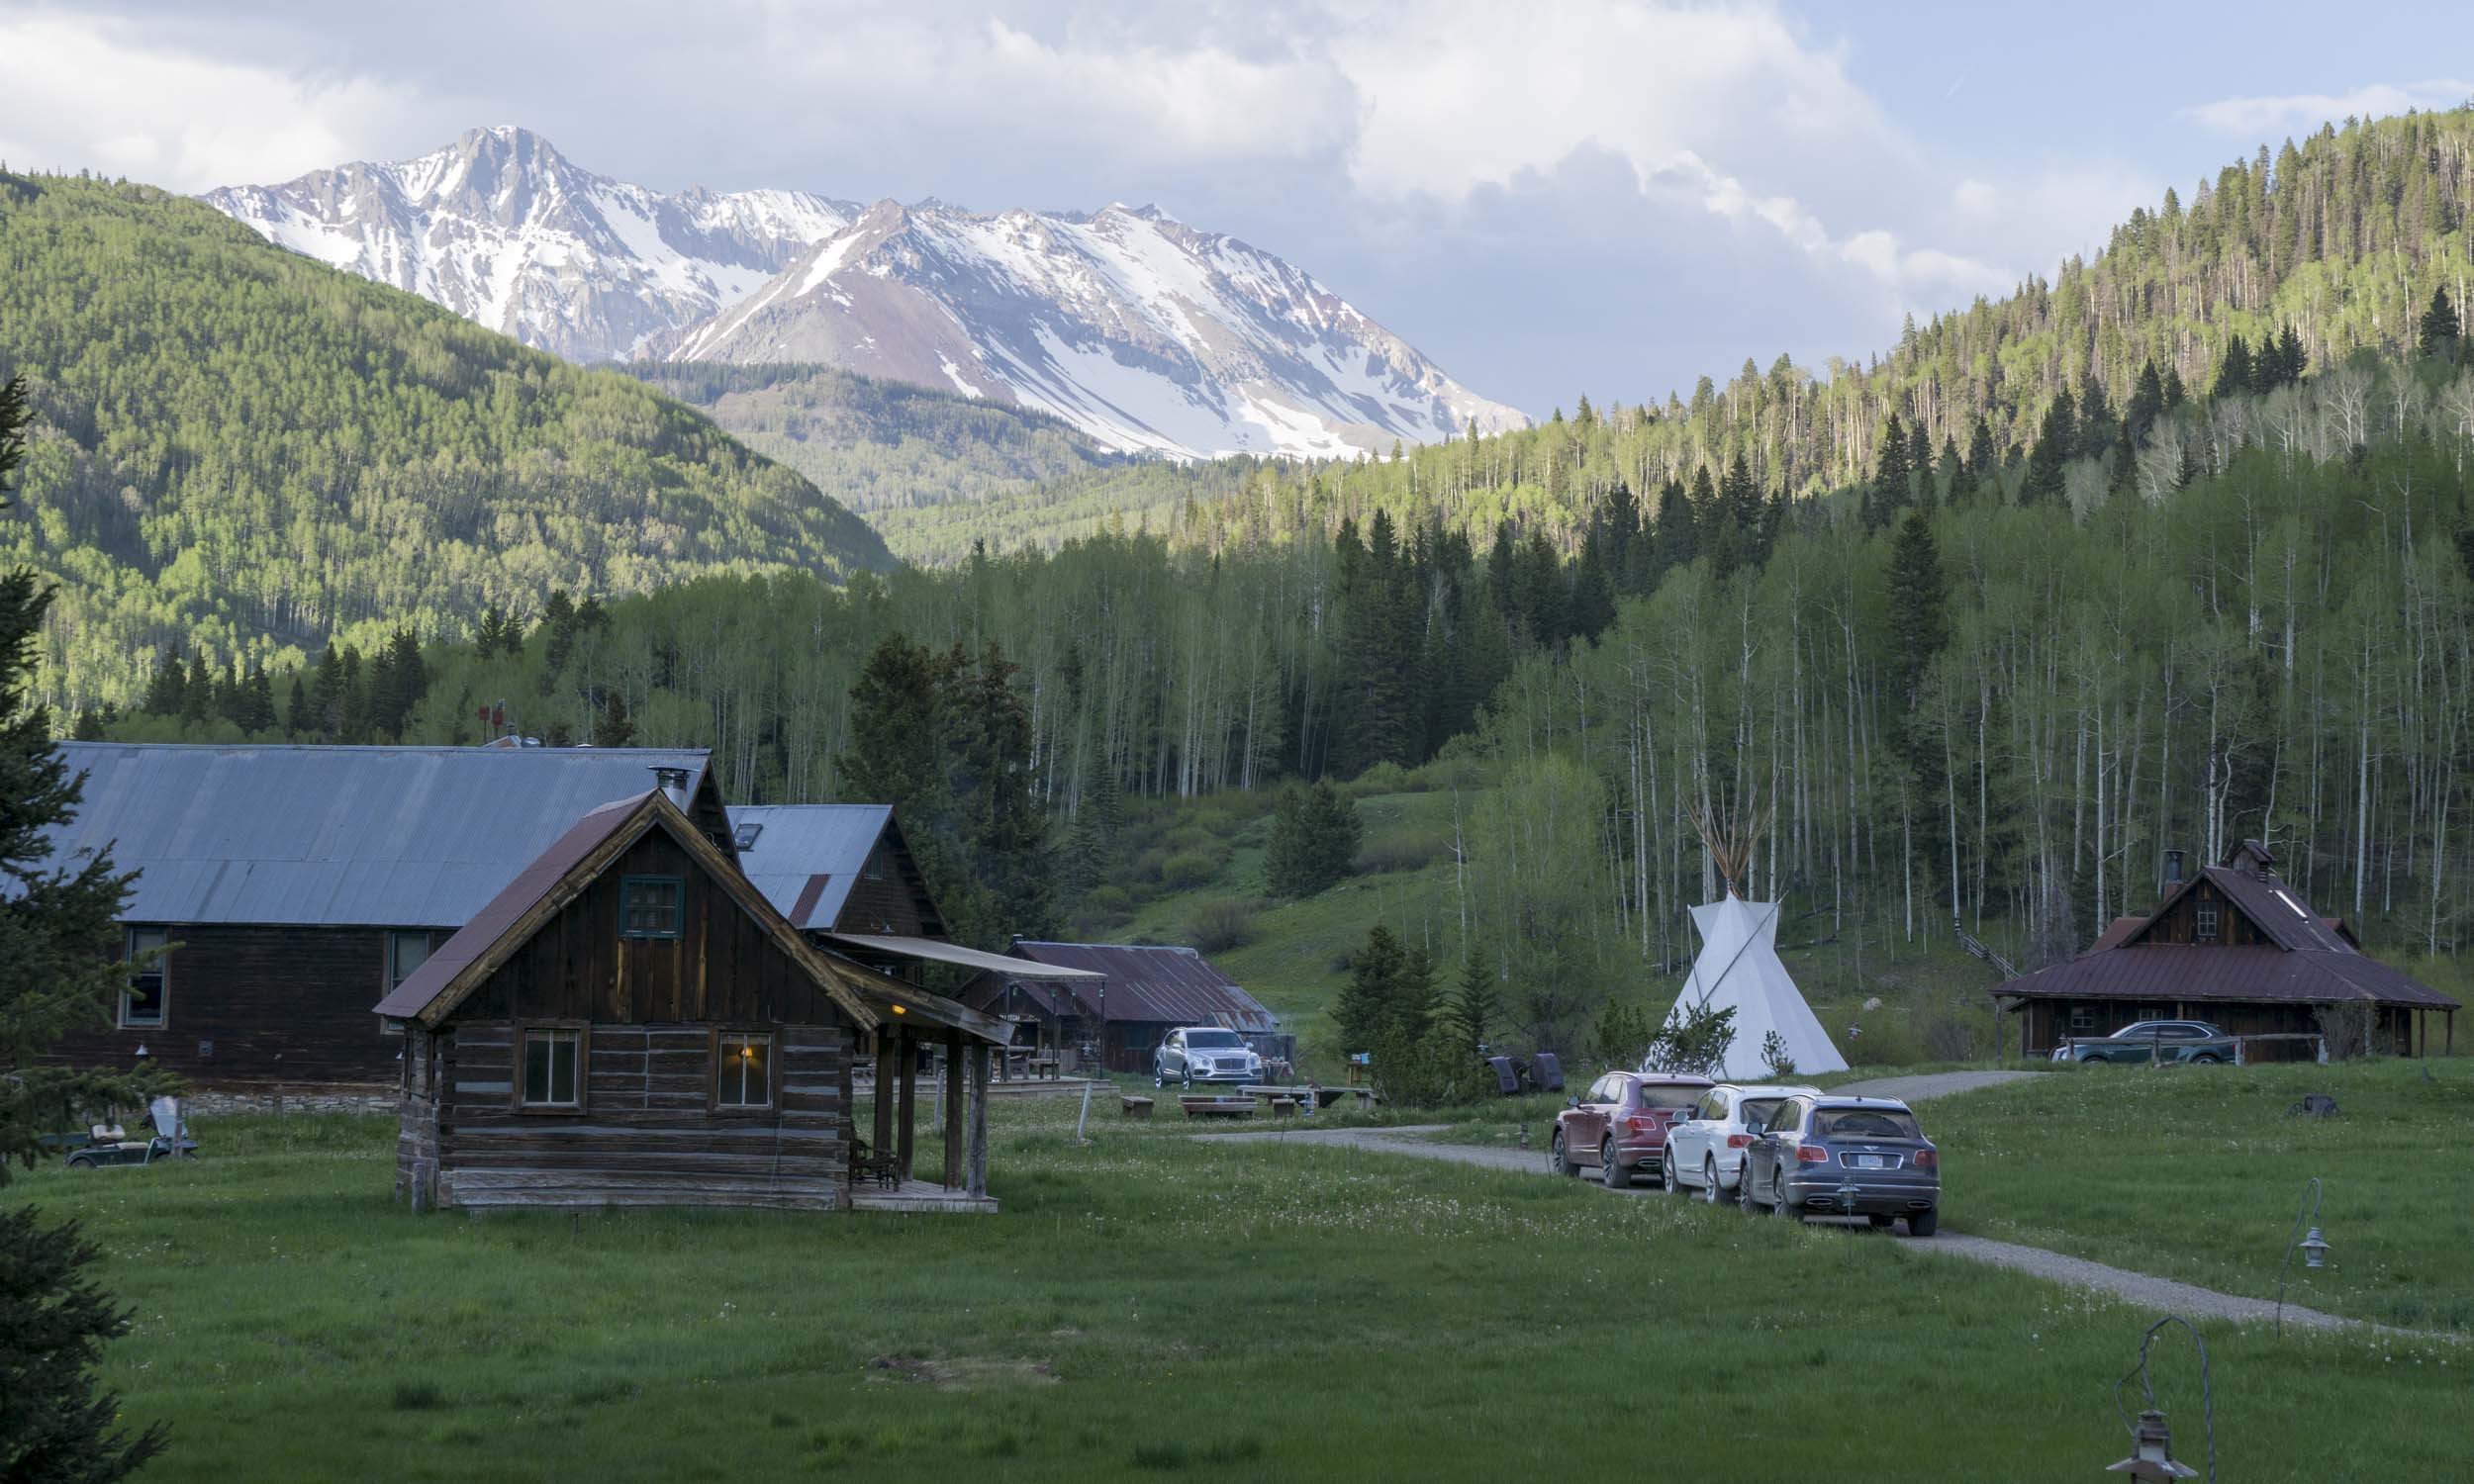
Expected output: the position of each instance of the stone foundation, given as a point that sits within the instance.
(227, 1101)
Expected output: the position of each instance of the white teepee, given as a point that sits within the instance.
(1739, 966)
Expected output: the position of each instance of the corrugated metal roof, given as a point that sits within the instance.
(938, 950)
(1150, 984)
(338, 836)
(804, 857)
(2161, 972)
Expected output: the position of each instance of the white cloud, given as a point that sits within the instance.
(2297, 112)
(79, 95)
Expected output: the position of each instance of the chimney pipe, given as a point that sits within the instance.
(673, 785)
(2173, 868)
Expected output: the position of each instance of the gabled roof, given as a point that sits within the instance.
(1145, 983)
(804, 858)
(2248, 881)
(2163, 973)
(558, 876)
(338, 836)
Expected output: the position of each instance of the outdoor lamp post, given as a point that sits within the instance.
(2151, 1452)
(2313, 1246)
(2314, 1249)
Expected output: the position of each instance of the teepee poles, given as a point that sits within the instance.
(1732, 838)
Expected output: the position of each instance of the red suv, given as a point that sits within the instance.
(1620, 1123)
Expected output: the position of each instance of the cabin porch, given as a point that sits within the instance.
(922, 1197)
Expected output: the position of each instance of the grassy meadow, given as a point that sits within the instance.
(1147, 1306)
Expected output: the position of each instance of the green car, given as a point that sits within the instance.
(2154, 1040)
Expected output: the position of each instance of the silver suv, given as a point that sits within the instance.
(1205, 1053)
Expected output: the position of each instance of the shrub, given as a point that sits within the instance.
(1950, 1038)
(1224, 924)
(1382, 778)
(1188, 869)
(1433, 1068)
(1403, 851)
(1314, 836)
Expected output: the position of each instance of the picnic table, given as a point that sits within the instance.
(1217, 1107)
(1308, 1096)
(1049, 1065)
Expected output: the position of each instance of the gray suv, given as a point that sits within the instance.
(1825, 1156)
(1205, 1053)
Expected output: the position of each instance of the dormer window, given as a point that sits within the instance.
(2204, 921)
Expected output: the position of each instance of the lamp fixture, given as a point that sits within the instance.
(2313, 1246)
(2152, 1443)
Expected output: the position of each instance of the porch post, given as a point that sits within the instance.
(906, 1053)
(953, 1110)
(884, 1140)
(977, 1179)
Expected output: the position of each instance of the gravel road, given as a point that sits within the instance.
(1930, 1084)
(2147, 1292)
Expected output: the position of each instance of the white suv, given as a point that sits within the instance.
(1205, 1053)
(1705, 1151)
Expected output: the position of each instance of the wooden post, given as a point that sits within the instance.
(884, 1140)
(905, 1129)
(953, 1110)
(977, 1178)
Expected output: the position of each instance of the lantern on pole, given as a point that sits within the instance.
(2152, 1443)
(2313, 1246)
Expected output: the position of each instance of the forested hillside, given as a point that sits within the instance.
(2339, 240)
(240, 452)
(920, 463)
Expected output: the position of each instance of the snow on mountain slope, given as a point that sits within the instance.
(502, 228)
(1141, 330)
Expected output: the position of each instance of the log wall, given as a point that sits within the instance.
(646, 1135)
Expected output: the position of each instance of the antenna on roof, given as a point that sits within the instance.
(1732, 837)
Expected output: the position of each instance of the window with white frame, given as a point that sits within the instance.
(550, 1068)
(145, 1001)
(2205, 920)
(743, 1069)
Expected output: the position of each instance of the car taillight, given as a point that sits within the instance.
(1739, 1141)
(1926, 1158)
(1811, 1154)
(1643, 1123)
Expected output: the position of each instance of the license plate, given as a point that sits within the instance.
(1868, 1161)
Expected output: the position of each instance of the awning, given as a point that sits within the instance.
(955, 952)
(898, 1004)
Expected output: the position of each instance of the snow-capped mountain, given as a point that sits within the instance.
(504, 230)
(1142, 331)
(1135, 328)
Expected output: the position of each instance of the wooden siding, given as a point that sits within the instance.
(279, 1005)
(2181, 922)
(417, 1121)
(2047, 1023)
(646, 1134)
(723, 968)
(895, 899)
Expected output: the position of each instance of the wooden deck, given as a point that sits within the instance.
(922, 1197)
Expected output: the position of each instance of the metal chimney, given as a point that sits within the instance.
(673, 784)
(2173, 868)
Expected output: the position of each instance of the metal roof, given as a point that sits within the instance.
(938, 950)
(1150, 984)
(2159, 973)
(336, 836)
(804, 857)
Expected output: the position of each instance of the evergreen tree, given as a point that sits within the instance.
(2054, 442)
(2147, 403)
(2234, 372)
(1315, 833)
(1919, 605)
(2290, 359)
(1477, 1004)
(2174, 394)
(1364, 1012)
(1983, 460)
(2437, 334)
(1887, 495)
(168, 693)
(297, 708)
(2095, 419)
(60, 972)
(1678, 540)
(1003, 829)
(1593, 595)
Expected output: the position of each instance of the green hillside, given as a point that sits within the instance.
(246, 452)
(2339, 238)
(923, 465)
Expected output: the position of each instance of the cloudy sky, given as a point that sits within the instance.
(1609, 197)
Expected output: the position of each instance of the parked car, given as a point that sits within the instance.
(1825, 1156)
(107, 1143)
(1205, 1053)
(1620, 1123)
(1705, 1151)
(2157, 1039)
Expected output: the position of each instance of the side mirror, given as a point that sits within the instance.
(1573, 1103)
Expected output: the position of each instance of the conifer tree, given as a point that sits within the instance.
(1315, 833)
(1477, 1004)
(169, 691)
(2147, 403)
(1919, 605)
(1886, 495)
(2437, 334)
(1363, 1012)
(2234, 372)
(2054, 442)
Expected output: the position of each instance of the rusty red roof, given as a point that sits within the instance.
(1145, 983)
(2159, 973)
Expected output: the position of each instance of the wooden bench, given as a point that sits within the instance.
(1049, 1066)
(1136, 1107)
(1217, 1107)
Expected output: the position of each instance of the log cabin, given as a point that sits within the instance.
(285, 889)
(2237, 945)
(630, 1022)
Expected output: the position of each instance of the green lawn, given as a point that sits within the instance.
(2194, 1172)
(1148, 1307)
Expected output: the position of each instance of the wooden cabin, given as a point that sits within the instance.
(2235, 945)
(1126, 998)
(294, 886)
(630, 1022)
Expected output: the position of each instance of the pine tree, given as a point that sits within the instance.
(60, 969)
(167, 692)
(1919, 605)
(2290, 359)
(1315, 833)
(2174, 394)
(2438, 331)
(1363, 1012)
(2234, 372)
(610, 725)
(1887, 495)
(1983, 460)
(2147, 403)
(2054, 442)
(1477, 1004)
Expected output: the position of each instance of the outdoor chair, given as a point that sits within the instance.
(867, 1164)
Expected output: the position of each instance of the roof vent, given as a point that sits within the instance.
(673, 784)
(2173, 868)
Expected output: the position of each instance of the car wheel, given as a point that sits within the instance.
(1743, 1190)
(1158, 1078)
(76, 1163)
(1778, 1200)
(1666, 1177)
(1617, 1178)
(1924, 1223)
(1560, 1158)
(2207, 1059)
(1709, 1181)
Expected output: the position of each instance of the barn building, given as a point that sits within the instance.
(296, 886)
(630, 1022)
(1131, 997)
(2235, 945)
